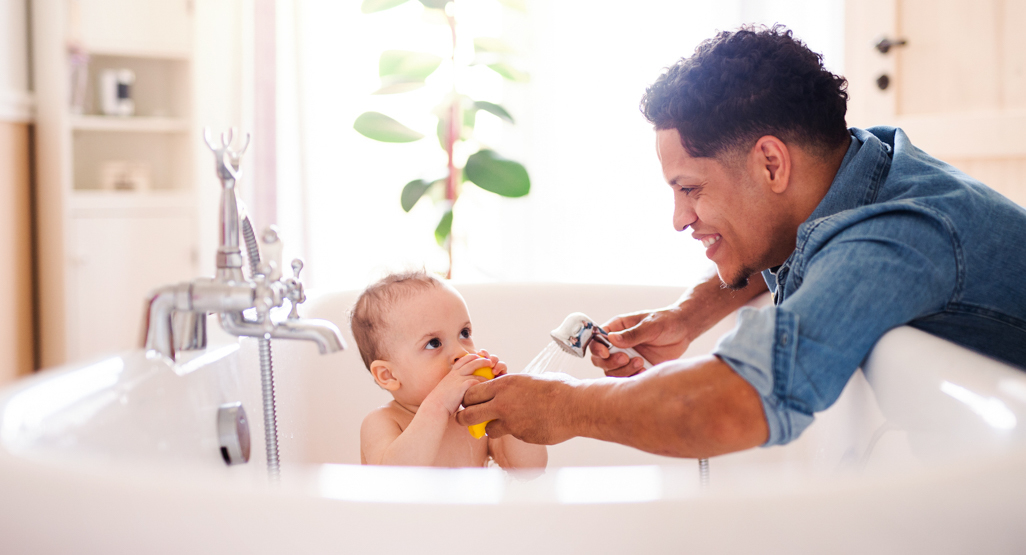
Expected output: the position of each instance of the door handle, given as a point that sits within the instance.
(885, 44)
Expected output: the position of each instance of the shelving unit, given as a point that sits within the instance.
(101, 248)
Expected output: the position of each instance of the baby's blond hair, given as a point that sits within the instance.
(369, 317)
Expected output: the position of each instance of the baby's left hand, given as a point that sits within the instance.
(498, 367)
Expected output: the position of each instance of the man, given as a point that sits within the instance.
(855, 232)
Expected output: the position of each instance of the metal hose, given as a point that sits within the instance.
(703, 472)
(252, 250)
(270, 417)
(266, 366)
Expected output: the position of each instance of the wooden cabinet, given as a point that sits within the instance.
(105, 239)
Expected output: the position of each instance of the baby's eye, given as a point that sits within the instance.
(433, 344)
(465, 334)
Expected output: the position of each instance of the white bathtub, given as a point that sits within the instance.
(925, 452)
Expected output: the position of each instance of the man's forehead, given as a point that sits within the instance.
(677, 163)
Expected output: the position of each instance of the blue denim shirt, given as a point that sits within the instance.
(900, 238)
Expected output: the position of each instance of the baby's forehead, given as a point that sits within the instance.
(417, 307)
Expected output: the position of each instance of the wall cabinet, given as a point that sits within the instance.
(116, 204)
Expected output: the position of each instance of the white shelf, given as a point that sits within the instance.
(130, 124)
(95, 203)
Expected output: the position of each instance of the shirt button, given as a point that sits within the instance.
(783, 340)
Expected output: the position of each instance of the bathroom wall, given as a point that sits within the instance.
(16, 113)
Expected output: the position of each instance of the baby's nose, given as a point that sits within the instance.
(457, 359)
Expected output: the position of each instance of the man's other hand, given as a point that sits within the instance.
(658, 335)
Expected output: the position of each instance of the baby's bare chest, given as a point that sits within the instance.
(458, 448)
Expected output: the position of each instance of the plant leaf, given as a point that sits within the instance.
(407, 64)
(510, 72)
(380, 127)
(491, 172)
(488, 44)
(398, 84)
(494, 109)
(444, 228)
(518, 5)
(435, 4)
(371, 6)
(412, 193)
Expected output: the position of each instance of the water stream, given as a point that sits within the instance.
(551, 359)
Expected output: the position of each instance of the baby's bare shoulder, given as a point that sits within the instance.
(383, 419)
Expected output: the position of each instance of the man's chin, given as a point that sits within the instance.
(735, 280)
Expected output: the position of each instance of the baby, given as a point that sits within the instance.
(415, 336)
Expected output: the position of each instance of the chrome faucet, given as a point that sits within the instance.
(176, 314)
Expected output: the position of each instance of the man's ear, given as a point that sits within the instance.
(772, 160)
(383, 375)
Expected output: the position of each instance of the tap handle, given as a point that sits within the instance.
(296, 294)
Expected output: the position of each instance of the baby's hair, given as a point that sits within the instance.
(368, 318)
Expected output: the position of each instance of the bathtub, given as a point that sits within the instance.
(923, 452)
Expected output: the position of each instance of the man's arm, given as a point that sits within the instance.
(683, 408)
(661, 335)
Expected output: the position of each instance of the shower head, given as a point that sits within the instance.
(576, 332)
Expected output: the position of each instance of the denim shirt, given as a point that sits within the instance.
(900, 238)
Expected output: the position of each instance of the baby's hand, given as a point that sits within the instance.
(498, 367)
(448, 394)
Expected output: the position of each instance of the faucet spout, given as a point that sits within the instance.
(322, 332)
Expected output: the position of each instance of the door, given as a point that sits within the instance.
(953, 76)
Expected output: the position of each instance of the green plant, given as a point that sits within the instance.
(403, 71)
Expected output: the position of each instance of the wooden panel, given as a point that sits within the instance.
(952, 60)
(1005, 175)
(1013, 71)
(984, 134)
(16, 327)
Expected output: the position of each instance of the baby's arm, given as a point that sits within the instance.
(509, 452)
(382, 441)
(512, 454)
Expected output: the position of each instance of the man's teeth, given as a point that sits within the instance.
(708, 241)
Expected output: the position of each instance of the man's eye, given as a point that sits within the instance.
(433, 344)
(465, 334)
(687, 190)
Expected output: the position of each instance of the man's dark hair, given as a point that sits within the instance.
(742, 85)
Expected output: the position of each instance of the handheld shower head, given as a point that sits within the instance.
(576, 332)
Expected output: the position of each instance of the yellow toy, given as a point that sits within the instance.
(478, 430)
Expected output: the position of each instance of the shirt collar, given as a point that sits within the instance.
(858, 179)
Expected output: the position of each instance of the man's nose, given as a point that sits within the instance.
(683, 214)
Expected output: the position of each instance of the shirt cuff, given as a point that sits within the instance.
(762, 349)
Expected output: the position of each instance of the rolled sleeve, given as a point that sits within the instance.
(762, 349)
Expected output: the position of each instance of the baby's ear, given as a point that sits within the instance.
(382, 372)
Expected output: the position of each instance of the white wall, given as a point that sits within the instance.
(598, 211)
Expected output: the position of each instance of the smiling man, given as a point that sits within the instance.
(854, 231)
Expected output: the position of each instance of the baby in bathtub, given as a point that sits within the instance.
(415, 336)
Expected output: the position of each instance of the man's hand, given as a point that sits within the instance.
(531, 408)
(664, 334)
(657, 335)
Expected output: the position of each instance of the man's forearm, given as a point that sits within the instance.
(710, 301)
(686, 408)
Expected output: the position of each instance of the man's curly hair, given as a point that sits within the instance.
(744, 84)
